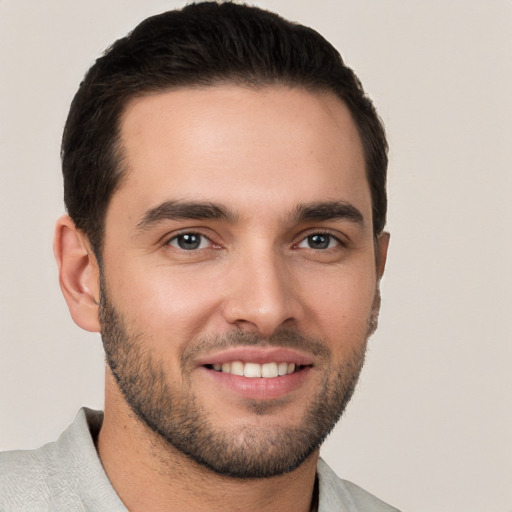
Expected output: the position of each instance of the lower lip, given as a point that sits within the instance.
(259, 388)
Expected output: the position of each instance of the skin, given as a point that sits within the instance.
(260, 154)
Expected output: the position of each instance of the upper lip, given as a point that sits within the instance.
(260, 355)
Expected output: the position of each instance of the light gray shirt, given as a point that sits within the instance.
(67, 476)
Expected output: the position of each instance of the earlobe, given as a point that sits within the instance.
(78, 274)
(382, 252)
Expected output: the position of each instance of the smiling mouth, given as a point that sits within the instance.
(256, 370)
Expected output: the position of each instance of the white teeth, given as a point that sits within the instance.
(255, 370)
(252, 370)
(269, 370)
(237, 368)
(283, 368)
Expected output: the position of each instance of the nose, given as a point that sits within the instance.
(261, 295)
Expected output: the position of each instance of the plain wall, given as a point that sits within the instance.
(429, 428)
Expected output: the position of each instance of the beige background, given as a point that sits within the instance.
(430, 426)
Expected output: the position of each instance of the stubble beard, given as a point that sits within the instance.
(247, 451)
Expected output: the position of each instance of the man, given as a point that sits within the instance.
(224, 177)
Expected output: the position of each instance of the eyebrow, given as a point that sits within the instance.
(307, 212)
(179, 210)
(328, 210)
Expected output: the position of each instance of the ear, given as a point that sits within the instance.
(78, 274)
(381, 253)
(381, 250)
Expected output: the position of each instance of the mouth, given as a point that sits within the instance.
(257, 372)
(254, 370)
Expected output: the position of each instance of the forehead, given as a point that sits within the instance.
(244, 146)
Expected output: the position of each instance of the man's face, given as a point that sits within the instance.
(240, 243)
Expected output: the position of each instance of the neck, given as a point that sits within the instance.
(149, 474)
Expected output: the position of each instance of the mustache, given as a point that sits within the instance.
(287, 338)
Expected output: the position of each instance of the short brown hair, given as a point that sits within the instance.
(202, 44)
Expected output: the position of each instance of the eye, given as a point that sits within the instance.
(189, 241)
(319, 241)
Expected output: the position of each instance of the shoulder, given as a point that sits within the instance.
(337, 494)
(24, 478)
(65, 475)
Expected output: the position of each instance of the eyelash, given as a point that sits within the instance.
(326, 234)
(203, 237)
(191, 234)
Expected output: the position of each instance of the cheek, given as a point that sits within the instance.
(343, 305)
(166, 304)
